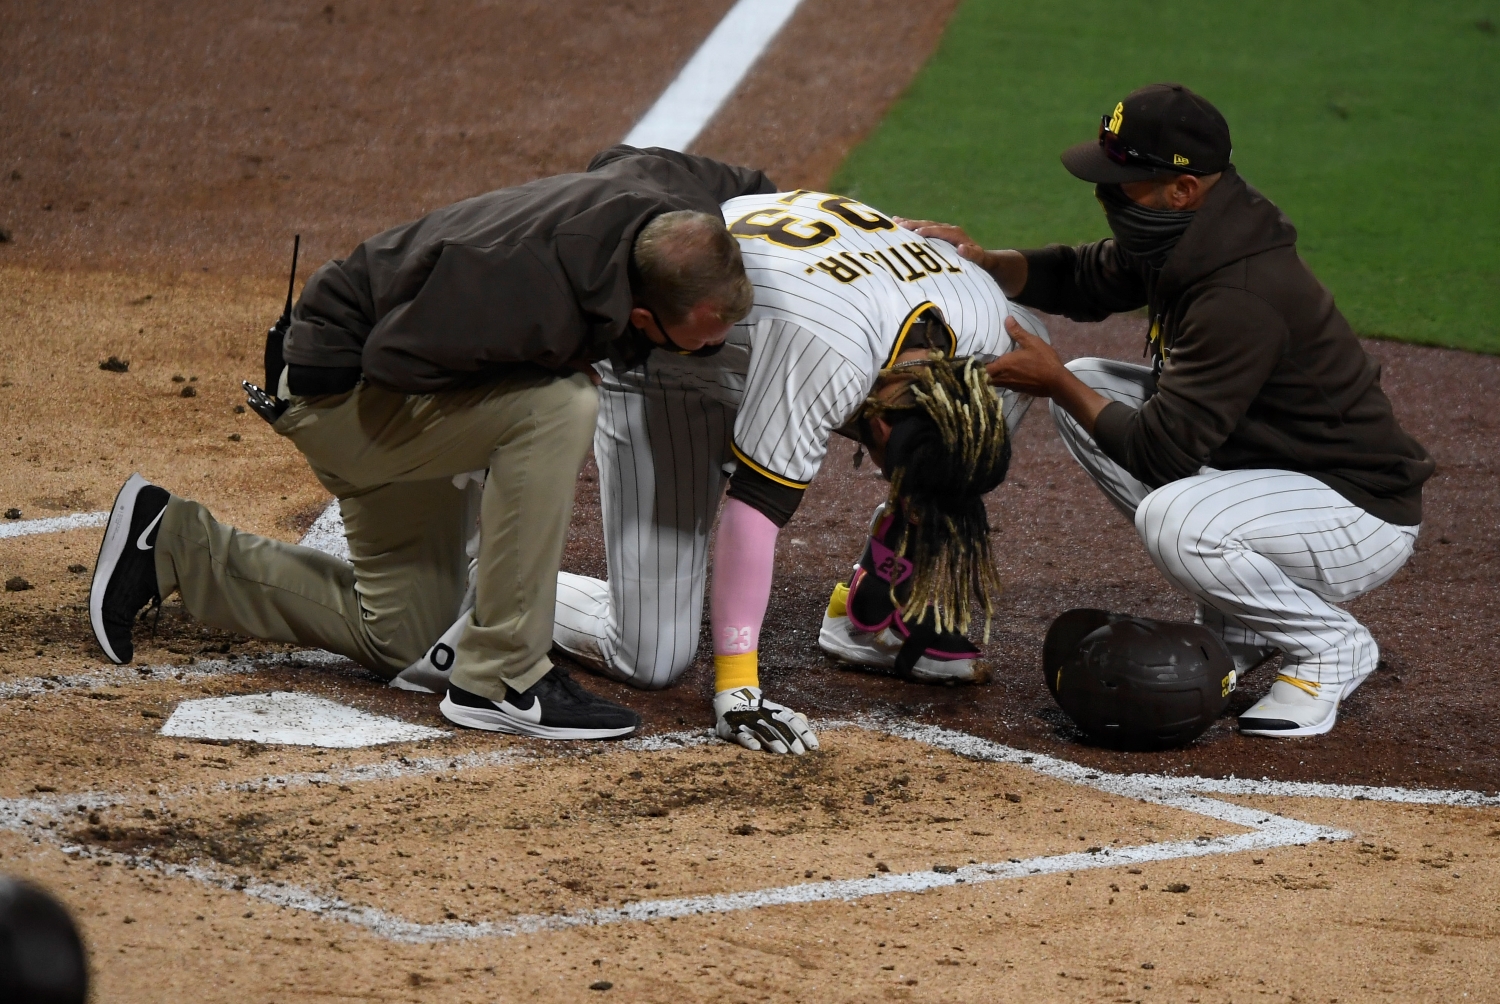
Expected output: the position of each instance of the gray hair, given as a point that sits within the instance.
(685, 258)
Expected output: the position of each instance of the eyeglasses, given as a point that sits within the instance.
(1116, 150)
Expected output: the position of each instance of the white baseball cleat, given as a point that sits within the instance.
(878, 649)
(1294, 707)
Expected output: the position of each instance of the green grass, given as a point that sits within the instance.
(1374, 125)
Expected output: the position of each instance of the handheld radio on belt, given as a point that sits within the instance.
(265, 403)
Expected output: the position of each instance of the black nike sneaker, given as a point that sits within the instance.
(125, 574)
(555, 707)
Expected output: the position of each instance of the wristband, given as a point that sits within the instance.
(731, 671)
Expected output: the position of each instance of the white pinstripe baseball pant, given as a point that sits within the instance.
(1270, 552)
(661, 443)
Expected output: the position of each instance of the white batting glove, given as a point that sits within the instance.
(743, 716)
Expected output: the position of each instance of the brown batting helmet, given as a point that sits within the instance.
(1136, 683)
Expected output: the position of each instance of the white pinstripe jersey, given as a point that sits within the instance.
(837, 285)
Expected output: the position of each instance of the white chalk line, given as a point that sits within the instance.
(399, 767)
(12, 810)
(1158, 786)
(964, 745)
(394, 928)
(52, 524)
(702, 86)
(327, 533)
(1264, 832)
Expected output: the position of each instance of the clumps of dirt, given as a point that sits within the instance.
(560, 830)
(114, 364)
(66, 630)
(72, 500)
(1384, 852)
(813, 791)
(1297, 883)
(254, 839)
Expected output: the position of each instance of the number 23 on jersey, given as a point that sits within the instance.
(907, 261)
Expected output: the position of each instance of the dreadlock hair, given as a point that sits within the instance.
(946, 451)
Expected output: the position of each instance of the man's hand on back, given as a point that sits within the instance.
(945, 232)
(1032, 367)
(1008, 268)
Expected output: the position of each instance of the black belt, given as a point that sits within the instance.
(315, 381)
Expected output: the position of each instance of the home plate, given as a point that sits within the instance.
(289, 719)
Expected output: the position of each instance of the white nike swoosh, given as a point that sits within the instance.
(140, 541)
(532, 714)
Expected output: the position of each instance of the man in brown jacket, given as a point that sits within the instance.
(445, 346)
(1258, 457)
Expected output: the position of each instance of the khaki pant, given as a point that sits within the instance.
(390, 460)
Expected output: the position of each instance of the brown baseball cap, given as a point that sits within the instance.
(1161, 129)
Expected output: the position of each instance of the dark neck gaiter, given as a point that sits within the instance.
(1146, 234)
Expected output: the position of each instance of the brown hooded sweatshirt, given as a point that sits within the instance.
(535, 274)
(1256, 367)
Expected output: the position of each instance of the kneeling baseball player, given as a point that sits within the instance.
(860, 327)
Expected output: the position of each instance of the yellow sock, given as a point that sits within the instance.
(732, 671)
(838, 603)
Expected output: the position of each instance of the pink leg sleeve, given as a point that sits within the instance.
(744, 555)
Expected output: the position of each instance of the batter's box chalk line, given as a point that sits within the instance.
(326, 534)
(52, 524)
(39, 816)
(961, 743)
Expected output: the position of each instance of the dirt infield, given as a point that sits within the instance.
(200, 140)
(475, 869)
(947, 844)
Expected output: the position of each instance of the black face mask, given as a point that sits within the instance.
(1146, 234)
(698, 353)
